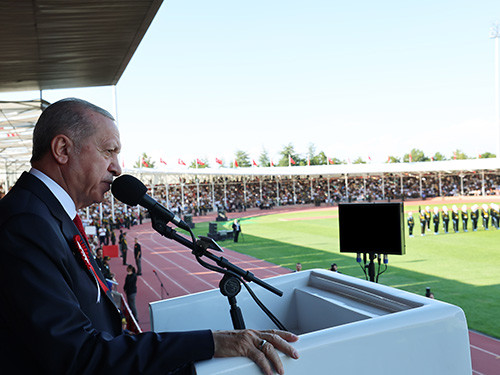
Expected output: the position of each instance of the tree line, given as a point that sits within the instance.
(288, 156)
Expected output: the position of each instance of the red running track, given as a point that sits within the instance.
(181, 274)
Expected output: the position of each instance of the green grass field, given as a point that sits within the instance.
(462, 269)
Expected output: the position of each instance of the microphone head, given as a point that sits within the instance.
(128, 189)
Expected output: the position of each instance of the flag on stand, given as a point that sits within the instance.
(180, 162)
(330, 161)
(410, 157)
(290, 160)
(254, 163)
(218, 161)
(163, 161)
(144, 163)
(432, 158)
(454, 155)
(369, 158)
(388, 159)
(272, 164)
(479, 156)
(199, 162)
(308, 160)
(236, 163)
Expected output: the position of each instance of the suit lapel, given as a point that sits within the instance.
(68, 228)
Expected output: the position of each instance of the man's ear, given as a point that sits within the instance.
(61, 147)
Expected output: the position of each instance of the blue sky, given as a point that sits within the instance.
(359, 78)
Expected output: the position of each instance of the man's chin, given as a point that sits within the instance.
(99, 198)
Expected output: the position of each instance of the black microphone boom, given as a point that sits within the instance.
(133, 192)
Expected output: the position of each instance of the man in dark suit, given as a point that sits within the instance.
(138, 256)
(236, 230)
(56, 313)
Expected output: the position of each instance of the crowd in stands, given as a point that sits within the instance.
(236, 195)
(200, 197)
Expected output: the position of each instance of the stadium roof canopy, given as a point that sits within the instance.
(338, 170)
(55, 44)
(17, 120)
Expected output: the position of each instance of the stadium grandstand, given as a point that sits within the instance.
(200, 190)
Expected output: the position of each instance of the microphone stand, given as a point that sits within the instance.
(162, 288)
(230, 285)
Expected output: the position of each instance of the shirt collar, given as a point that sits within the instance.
(61, 194)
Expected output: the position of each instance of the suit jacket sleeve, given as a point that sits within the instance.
(47, 329)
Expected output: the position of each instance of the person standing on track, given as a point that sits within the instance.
(138, 256)
(124, 247)
(102, 235)
(130, 289)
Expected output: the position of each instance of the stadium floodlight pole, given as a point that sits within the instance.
(495, 34)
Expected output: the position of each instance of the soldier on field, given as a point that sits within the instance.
(495, 214)
(435, 220)
(474, 217)
(465, 218)
(454, 218)
(485, 215)
(423, 222)
(428, 217)
(411, 223)
(446, 218)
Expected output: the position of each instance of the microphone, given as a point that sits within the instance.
(133, 192)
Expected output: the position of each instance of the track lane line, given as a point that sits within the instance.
(497, 356)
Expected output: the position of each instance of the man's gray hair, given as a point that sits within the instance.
(67, 116)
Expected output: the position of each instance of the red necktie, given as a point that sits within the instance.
(85, 256)
(79, 225)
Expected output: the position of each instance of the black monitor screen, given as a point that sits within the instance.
(371, 227)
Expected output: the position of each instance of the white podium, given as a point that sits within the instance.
(346, 326)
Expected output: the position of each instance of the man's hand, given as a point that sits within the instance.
(259, 346)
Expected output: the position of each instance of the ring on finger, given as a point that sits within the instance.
(262, 343)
